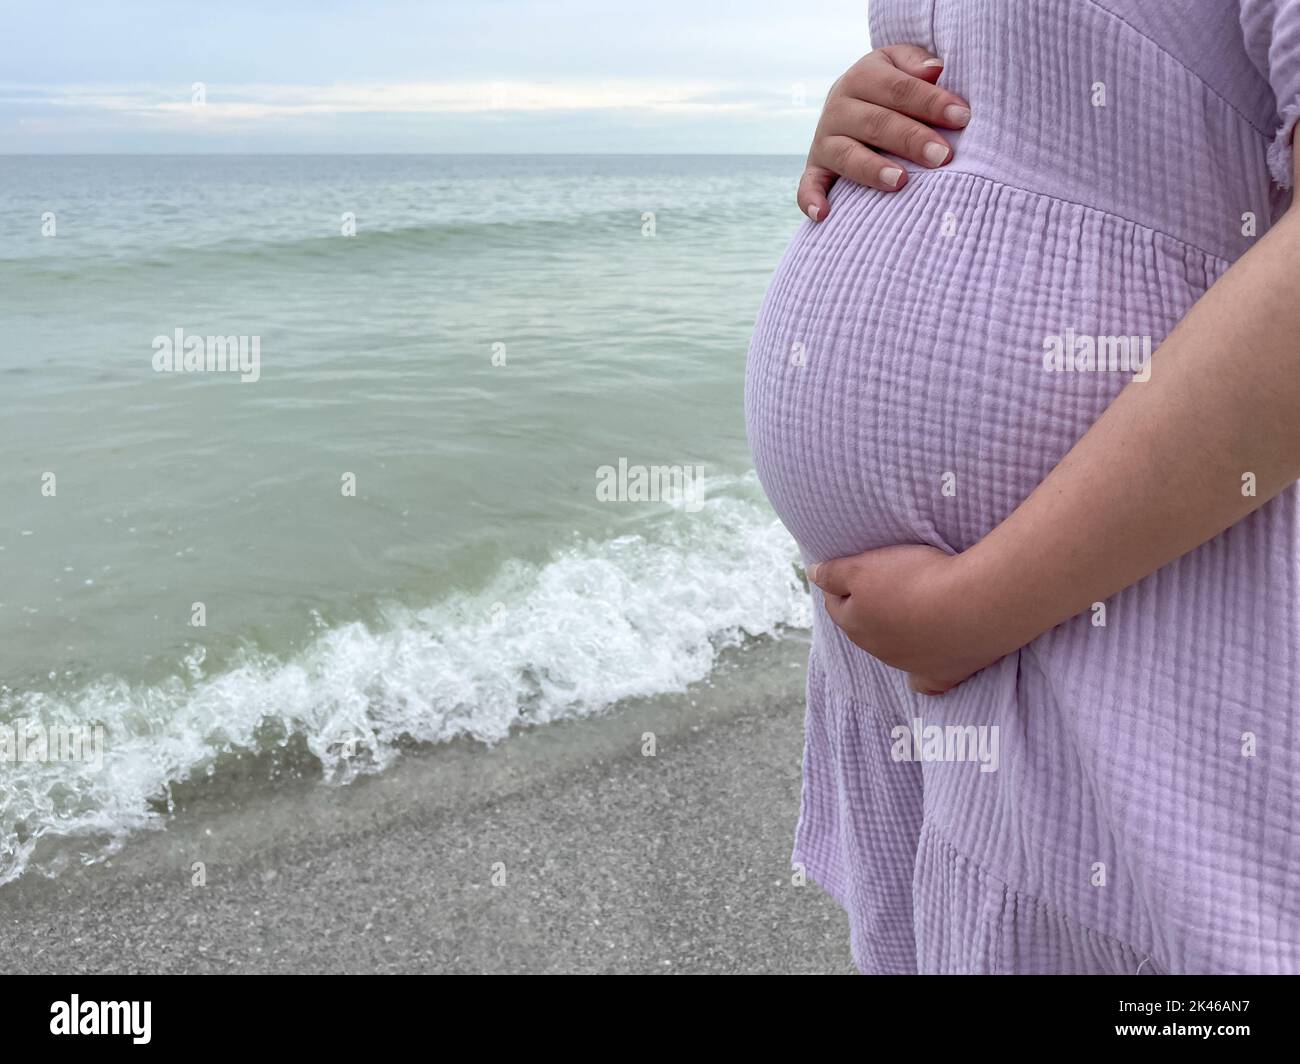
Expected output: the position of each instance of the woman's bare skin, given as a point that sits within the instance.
(887, 100)
(1158, 474)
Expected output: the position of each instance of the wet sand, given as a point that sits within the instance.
(563, 849)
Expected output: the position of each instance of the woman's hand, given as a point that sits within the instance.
(909, 607)
(1157, 475)
(881, 100)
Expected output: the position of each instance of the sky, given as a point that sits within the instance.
(465, 76)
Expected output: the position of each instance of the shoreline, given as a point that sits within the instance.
(561, 849)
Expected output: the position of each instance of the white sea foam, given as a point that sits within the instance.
(601, 622)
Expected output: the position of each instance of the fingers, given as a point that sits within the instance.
(897, 134)
(888, 100)
(829, 577)
(813, 188)
(925, 686)
(919, 99)
(907, 89)
(915, 60)
(832, 576)
(838, 610)
(846, 157)
(885, 102)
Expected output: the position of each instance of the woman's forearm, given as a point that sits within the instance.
(1212, 435)
(1165, 467)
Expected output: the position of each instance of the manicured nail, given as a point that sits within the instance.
(813, 211)
(956, 116)
(890, 175)
(936, 154)
(811, 572)
(933, 63)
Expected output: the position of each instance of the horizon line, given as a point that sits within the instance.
(362, 154)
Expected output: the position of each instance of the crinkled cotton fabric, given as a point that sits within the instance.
(1143, 811)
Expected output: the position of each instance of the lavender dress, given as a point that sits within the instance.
(1144, 810)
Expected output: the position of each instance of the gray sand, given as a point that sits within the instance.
(613, 861)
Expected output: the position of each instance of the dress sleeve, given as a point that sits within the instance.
(1271, 30)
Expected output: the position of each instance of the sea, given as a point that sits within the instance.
(310, 460)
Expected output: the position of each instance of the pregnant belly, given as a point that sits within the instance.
(899, 387)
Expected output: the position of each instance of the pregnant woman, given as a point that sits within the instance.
(1033, 416)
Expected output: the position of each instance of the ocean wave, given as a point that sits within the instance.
(515, 234)
(639, 615)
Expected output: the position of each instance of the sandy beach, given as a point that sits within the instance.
(613, 861)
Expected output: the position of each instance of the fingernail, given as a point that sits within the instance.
(957, 116)
(811, 572)
(933, 63)
(936, 154)
(813, 211)
(890, 175)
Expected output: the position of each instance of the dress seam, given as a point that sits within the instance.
(1169, 55)
(942, 836)
(997, 183)
(938, 833)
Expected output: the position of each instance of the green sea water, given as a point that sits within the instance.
(394, 533)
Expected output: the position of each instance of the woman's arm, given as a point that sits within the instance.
(1159, 473)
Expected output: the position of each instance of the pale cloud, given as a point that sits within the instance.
(415, 76)
(258, 103)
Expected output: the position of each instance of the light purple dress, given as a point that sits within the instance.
(1144, 814)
